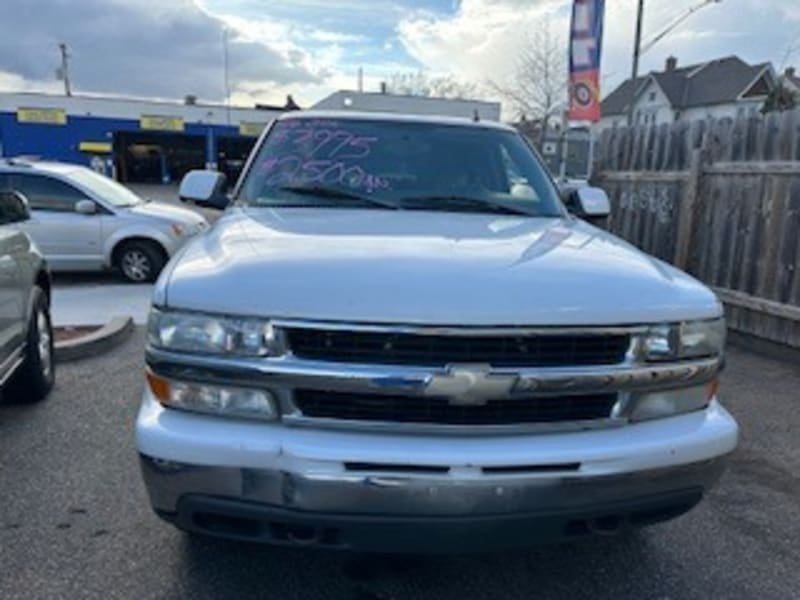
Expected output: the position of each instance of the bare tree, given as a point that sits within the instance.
(538, 87)
(422, 84)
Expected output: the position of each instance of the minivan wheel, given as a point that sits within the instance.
(140, 262)
(36, 376)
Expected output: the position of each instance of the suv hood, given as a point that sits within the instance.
(415, 267)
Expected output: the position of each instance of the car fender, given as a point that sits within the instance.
(137, 230)
(34, 268)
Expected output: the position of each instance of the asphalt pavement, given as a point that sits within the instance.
(75, 522)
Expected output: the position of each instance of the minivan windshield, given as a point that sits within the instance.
(345, 163)
(109, 190)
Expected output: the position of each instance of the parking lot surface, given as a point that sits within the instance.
(75, 523)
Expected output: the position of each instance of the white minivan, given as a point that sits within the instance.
(84, 221)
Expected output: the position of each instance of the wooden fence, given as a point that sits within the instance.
(721, 200)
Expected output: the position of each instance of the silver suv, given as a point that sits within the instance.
(83, 221)
(27, 370)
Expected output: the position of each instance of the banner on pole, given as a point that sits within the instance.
(586, 42)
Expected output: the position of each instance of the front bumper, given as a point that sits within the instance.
(528, 512)
(384, 492)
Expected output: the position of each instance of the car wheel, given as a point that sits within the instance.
(35, 378)
(140, 262)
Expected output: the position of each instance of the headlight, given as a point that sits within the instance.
(210, 334)
(658, 405)
(692, 339)
(213, 399)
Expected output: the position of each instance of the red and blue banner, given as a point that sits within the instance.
(586, 42)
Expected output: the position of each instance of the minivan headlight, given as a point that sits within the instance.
(679, 341)
(211, 334)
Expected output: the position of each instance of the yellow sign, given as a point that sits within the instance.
(161, 122)
(47, 116)
(95, 147)
(251, 129)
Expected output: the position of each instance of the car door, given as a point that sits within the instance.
(13, 245)
(70, 241)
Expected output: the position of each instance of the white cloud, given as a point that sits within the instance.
(311, 47)
(482, 37)
(12, 82)
(480, 40)
(332, 37)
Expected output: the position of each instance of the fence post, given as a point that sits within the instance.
(683, 241)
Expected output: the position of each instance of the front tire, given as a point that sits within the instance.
(36, 376)
(140, 262)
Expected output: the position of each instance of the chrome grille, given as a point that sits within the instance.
(410, 409)
(400, 348)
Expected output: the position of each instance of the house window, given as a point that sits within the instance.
(652, 96)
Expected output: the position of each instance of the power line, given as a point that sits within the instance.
(638, 49)
(669, 28)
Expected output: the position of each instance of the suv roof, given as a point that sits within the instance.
(353, 115)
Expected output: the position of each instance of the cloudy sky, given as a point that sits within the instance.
(170, 48)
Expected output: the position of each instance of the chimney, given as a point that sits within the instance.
(290, 103)
(672, 64)
(791, 72)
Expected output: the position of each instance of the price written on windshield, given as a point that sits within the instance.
(326, 143)
(324, 156)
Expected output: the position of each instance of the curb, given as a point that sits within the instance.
(118, 330)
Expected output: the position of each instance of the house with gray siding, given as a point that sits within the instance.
(725, 87)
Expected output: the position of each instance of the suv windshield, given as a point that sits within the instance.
(396, 164)
(109, 190)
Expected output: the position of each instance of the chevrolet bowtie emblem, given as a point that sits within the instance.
(471, 385)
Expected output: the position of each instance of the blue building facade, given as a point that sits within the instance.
(129, 139)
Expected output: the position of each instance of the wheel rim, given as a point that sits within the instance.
(45, 345)
(136, 265)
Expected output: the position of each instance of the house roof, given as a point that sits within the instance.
(715, 82)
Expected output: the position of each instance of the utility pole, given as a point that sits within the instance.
(64, 70)
(637, 49)
(225, 69)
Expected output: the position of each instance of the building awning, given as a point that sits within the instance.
(95, 147)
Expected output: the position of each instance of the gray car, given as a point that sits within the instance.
(84, 221)
(27, 370)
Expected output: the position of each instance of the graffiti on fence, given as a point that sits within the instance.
(651, 198)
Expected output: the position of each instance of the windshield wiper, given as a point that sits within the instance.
(326, 192)
(450, 202)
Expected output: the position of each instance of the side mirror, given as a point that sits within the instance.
(588, 203)
(85, 207)
(204, 188)
(14, 207)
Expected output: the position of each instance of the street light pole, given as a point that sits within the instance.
(637, 50)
